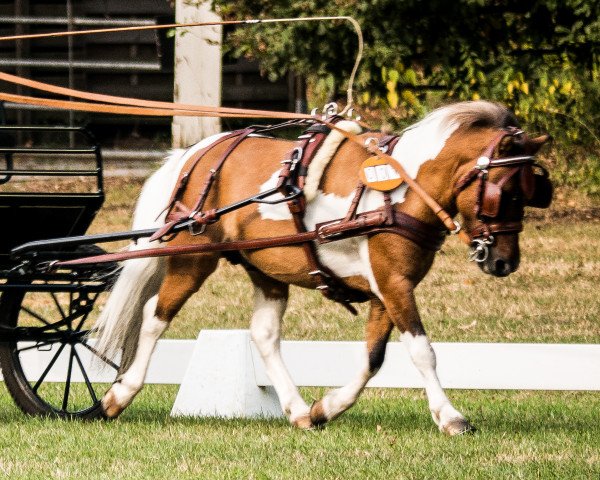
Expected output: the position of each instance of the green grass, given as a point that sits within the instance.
(388, 434)
(551, 298)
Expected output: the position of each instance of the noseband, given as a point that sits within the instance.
(536, 189)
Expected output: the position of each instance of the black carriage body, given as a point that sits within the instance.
(33, 215)
(51, 185)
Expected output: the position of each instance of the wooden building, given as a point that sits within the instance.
(135, 64)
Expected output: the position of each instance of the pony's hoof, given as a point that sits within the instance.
(110, 407)
(458, 426)
(303, 422)
(317, 414)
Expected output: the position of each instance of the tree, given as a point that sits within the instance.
(541, 57)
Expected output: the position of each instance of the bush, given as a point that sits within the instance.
(541, 58)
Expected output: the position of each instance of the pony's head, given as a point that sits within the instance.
(493, 183)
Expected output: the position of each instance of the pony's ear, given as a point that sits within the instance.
(522, 144)
(532, 145)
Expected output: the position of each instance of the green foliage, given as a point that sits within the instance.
(541, 58)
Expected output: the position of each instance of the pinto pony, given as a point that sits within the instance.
(440, 152)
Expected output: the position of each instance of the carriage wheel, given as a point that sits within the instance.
(61, 374)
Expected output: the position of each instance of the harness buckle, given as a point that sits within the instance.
(457, 228)
(295, 157)
(193, 231)
(480, 249)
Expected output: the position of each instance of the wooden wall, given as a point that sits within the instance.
(136, 64)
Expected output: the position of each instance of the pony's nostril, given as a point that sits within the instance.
(501, 266)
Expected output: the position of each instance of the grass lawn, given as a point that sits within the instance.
(554, 297)
(388, 434)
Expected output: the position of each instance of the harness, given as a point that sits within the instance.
(290, 184)
(535, 185)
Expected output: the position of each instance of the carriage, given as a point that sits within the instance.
(45, 316)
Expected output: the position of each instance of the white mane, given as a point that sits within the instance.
(425, 139)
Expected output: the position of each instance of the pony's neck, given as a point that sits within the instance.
(439, 176)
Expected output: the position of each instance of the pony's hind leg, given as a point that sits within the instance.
(270, 301)
(184, 277)
(378, 329)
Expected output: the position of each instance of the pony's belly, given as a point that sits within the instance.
(290, 265)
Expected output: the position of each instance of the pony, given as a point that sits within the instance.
(439, 152)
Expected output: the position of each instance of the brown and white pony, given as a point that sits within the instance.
(386, 267)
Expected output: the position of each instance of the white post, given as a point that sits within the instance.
(197, 71)
(220, 380)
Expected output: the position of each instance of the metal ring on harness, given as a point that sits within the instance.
(480, 249)
(457, 228)
(330, 109)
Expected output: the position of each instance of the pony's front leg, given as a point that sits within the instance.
(270, 301)
(403, 309)
(337, 401)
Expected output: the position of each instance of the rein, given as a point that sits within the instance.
(351, 20)
(131, 106)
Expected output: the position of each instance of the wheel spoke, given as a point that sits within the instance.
(54, 327)
(37, 345)
(68, 381)
(58, 307)
(50, 365)
(35, 315)
(104, 358)
(89, 385)
(86, 315)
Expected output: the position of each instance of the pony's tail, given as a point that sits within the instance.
(119, 323)
(118, 326)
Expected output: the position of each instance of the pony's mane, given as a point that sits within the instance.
(478, 113)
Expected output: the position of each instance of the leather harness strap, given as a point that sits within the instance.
(368, 223)
(295, 171)
(176, 211)
(381, 220)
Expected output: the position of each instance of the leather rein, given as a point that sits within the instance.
(352, 225)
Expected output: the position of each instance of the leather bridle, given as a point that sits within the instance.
(536, 190)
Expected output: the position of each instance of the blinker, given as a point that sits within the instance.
(536, 189)
(542, 190)
(527, 180)
(490, 202)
